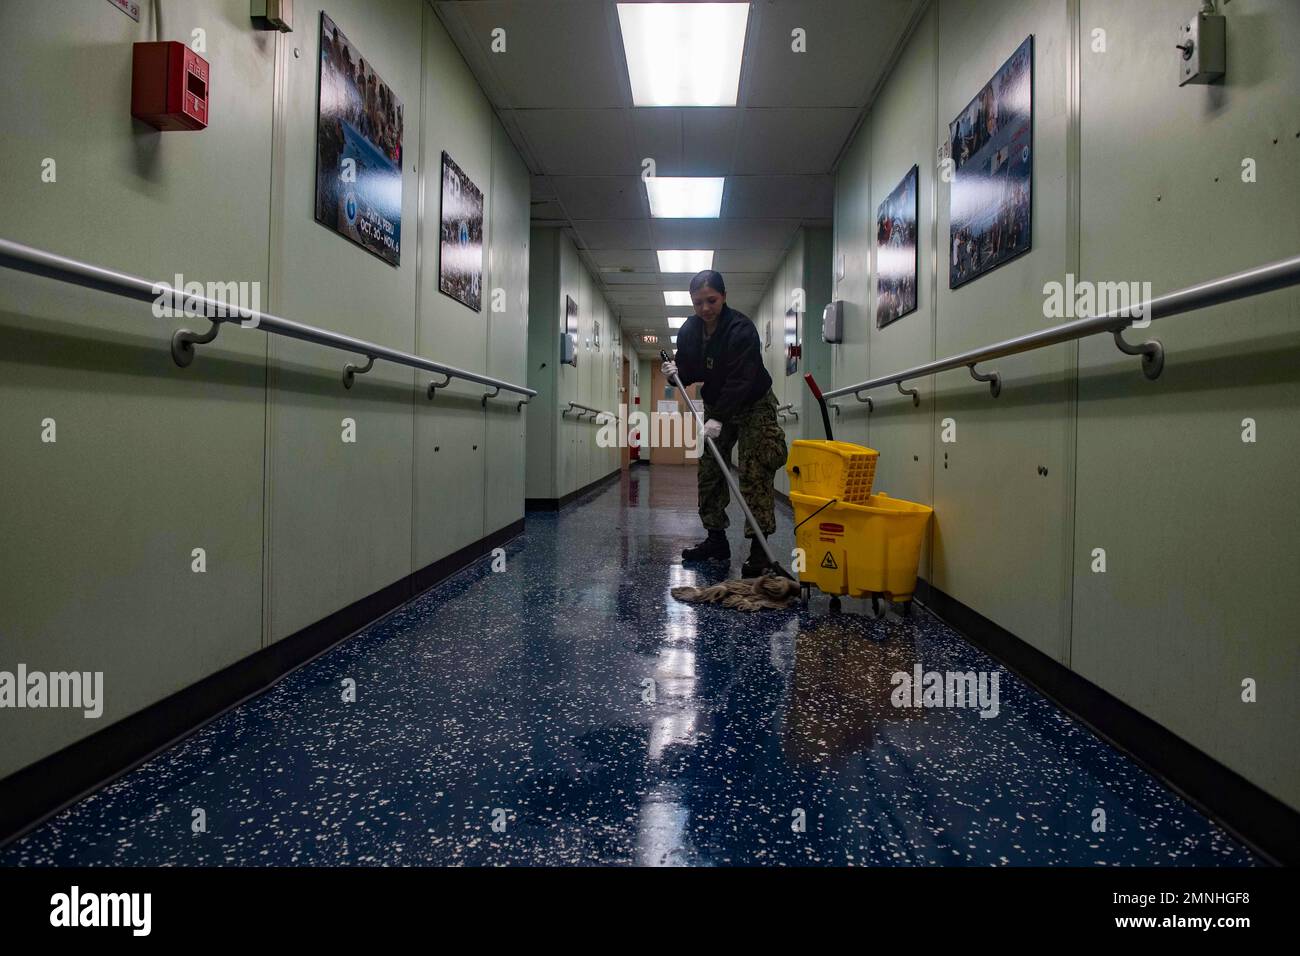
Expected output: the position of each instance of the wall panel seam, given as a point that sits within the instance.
(1073, 255)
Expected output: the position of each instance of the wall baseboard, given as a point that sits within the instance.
(555, 504)
(35, 793)
(1256, 817)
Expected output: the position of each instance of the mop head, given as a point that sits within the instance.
(768, 592)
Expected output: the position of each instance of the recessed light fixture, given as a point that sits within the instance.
(676, 321)
(673, 339)
(684, 197)
(685, 260)
(683, 54)
(677, 298)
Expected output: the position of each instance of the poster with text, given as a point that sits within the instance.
(896, 262)
(358, 149)
(991, 147)
(460, 258)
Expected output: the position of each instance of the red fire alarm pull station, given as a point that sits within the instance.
(169, 86)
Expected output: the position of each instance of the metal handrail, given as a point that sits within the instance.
(587, 410)
(1239, 285)
(15, 255)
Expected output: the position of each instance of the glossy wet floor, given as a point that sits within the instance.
(568, 711)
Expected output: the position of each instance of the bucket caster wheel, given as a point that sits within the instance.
(875, 605)
(835, 605)
(804, 591)
(907, 608)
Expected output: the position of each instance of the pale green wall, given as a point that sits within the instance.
(572, 459)
(543, 412)
(238, 455)
(806, 265)
(1198, 528)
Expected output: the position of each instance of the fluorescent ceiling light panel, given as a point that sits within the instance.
(676, 321)
(677, 298)
(683, 54)
(684, 197)
(674, 339)
(685, 260)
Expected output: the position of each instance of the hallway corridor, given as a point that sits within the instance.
(525, 691)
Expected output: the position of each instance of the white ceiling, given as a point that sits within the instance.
(562, 92)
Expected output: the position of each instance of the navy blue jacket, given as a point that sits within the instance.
(732, 366)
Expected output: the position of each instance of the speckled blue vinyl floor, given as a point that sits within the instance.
(522, 699)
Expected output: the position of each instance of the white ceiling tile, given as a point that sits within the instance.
(848, 45)
(579, 142)
(755, 233)
(601, 197)
(556, 54)
(657, 135)
(684, 233)
(614, 233)
(640, 259)
(779, 197)
(749, 261)
(803, 140)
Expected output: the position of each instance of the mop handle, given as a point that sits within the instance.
(726, 471)
(817, 394)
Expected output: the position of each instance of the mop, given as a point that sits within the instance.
(767, 591)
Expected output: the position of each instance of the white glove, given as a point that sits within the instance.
(669, 369)
(713, 428)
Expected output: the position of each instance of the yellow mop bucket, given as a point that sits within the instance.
(860, 549)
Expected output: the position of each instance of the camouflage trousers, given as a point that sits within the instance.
(762, 452)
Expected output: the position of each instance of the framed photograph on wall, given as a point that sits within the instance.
(791, 342)
(767, 334)
(460, 256)
(358, 148)
(896, 252)
(991, 147)
(595, 335)
(569, 355)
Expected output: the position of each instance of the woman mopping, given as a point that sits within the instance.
(720, 347)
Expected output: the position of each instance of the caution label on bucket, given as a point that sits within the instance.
(829, 561)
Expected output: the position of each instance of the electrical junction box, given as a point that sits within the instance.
(169, 86)
(833, 322)
(273, 15)
(1204, 47)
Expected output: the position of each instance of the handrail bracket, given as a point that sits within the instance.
(916, 396)
(350, 371)
(183, 342)
(1152, 352)
(434, 386)
(866, 400)
(993, 378)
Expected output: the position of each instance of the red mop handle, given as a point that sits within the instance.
(812, 384)
(817, 394)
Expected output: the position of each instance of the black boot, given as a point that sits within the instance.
(712, 548)
(757, 562)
